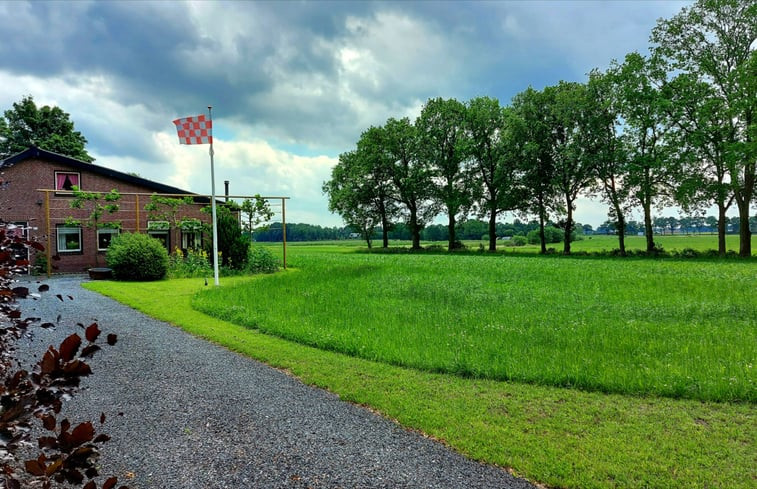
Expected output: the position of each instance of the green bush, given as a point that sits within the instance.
(134, 256)
(518, 241)
(232, 244)
(261, 260)
(551, 235)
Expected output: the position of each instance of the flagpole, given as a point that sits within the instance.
(213, 200)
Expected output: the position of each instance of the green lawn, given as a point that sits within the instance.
(558, 436)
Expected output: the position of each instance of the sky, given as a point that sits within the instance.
(292, 84)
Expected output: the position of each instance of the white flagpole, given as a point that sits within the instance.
(213, 200)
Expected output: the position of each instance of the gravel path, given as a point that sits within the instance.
(197, 416)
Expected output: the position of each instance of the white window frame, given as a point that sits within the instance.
(78, 180)
(102, 231)
(62, 231)
(196, 238)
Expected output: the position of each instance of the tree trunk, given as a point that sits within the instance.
(415, 232)
(621, 231)
(744, 199)
(493, 231)
(384, 231)
(648, 226)
(568, 228)
(451, 227)
(542, 237)
(721, 229)
(745, 234)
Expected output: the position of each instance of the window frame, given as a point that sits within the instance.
(196, 238)
(62, 191)
(70, 231)
(110, 231)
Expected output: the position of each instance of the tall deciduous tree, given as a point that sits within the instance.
(48, 128)
(493, 154)
(532, 131)
(704, 132)
(714, 41)
(645, 132)
(350, 195)
(410, 175)
(441, 146)
(611, 162)
(574, 118)
(377, 168)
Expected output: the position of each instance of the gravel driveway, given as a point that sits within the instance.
(197, 416)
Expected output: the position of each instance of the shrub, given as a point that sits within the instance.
(194, 264)
(261, 260)
(232, 244)
(518, 241)
(689, 253)
(551, 235)
(134, 256)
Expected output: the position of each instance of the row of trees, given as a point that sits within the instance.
(685, 225)
(674, 127)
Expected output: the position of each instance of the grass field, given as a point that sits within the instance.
(696, 316)
(677, 328)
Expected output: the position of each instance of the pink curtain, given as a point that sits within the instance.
(64, 181)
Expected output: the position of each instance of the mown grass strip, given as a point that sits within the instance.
(556, 436)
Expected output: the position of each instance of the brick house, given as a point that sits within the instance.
(35, 197)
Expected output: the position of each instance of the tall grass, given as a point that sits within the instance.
(669, 328)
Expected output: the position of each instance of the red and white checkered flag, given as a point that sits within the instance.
(195, 130)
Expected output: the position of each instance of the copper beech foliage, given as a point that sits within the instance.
(66, 453)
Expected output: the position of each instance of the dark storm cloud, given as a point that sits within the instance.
(277, 64)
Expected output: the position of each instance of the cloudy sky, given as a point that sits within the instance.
(292, 84)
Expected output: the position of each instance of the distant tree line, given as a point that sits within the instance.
(477, 230)
(674, 127)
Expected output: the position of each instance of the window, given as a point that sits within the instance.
(66, 180)
(159, 230)
(69, 239)
(104, 236)
(191, 240)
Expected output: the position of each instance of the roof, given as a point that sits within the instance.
(41, 154)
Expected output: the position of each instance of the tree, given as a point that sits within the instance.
(441, 145)
(646, 135)
(349, 196)
(713, 40)
(705, 130)
(609, 152)
(47, 128)
(532, 132)
(410, 176)
(491, 148)
(574, 119)
(255, 211)
(360, 188)
(377, 168)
